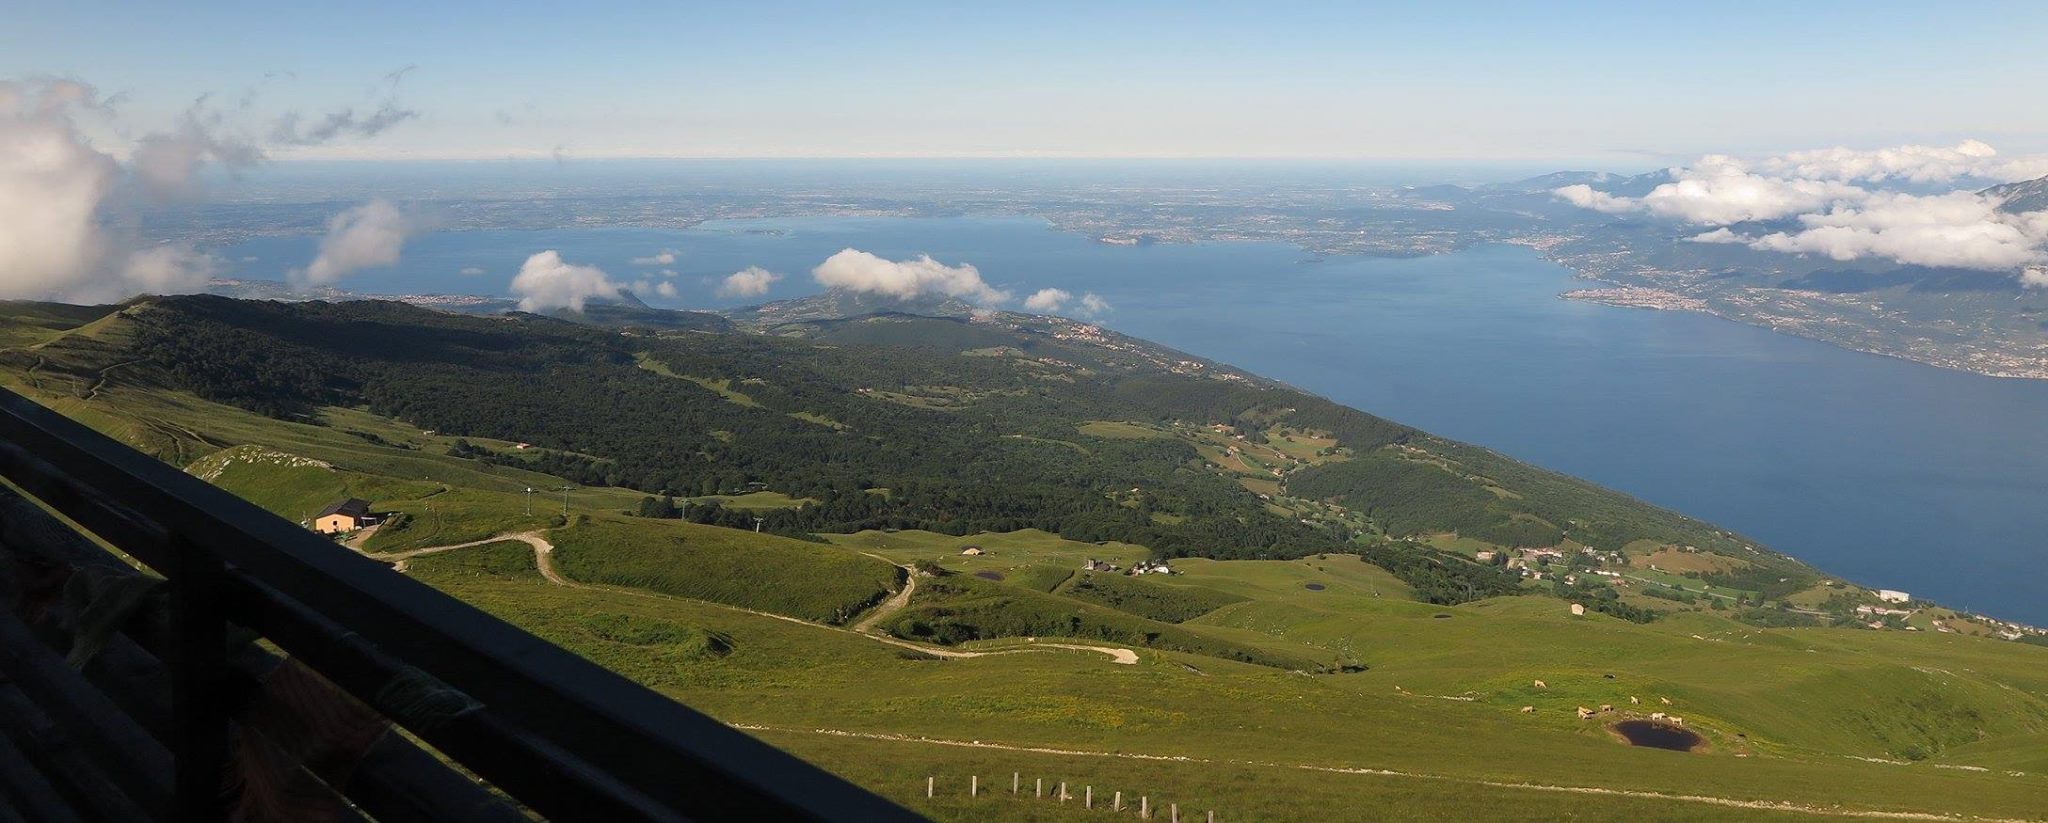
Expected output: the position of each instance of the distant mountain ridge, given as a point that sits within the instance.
(2023, 196)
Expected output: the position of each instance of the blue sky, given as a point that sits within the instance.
(1624, 84)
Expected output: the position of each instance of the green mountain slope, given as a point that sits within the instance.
(1276, 674)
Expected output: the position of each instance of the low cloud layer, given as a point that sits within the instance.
(1962, 229)
(1847, 205)
(1054, 301)
(546, 282)
(666, 257)
(752, 281)
(856, 270)
(1969, 160)
(1048, 299)
(659, 288)
(366, 236)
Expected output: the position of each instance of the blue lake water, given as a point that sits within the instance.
(1890, 473)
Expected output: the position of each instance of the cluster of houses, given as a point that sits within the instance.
(1140, 567)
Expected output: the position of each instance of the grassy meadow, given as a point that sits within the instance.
(1313, 688)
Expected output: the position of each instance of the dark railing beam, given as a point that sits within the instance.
(199, 696)
(603, 741)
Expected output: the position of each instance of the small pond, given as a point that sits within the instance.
(1658, 735)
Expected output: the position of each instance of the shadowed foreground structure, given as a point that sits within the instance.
(131, 694)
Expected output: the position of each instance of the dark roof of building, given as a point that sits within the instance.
(350, 506)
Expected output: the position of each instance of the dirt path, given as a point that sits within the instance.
(543, 559)
(355, 541)
(1709, 800)
(901, 598)
(1116, 655)
(896, 601)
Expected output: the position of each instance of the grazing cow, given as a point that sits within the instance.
(1541, 685)
(1528, 709)
(1607, 707)
(1667, 700)
(1632, 700)
(1585, 713)
(1677, 720)
(1656, 715)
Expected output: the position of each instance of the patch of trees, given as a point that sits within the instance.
(961, 608)
(595, 417)
(1409, 497)
(1778, 618)
(1440, 577)
(1662, 593)
(1159, 601)
(1773, 582)
(1604, 599)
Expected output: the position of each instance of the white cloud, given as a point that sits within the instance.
(363, 237)
(857, 270)
(472, 271)
(666, 257)
(65, 199)
(165, 162)
(54, 189)
(1055, 300)
(1048, 299)
(662, 288)
(752, 281)
(1960, 229)
(2035, 277)
(1720, 190)
(168, 269)
(1845, 211)
(547, 282)
(1586, 197)
(1913, 164)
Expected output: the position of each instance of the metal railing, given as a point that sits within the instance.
(568, 739)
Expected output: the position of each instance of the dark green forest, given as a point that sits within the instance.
(892, 422)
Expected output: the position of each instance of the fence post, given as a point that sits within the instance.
(928, 783)
(1145, 806)
(1039, 788)
(1063, 791)
(1117, 804)
(1015, 779)
(974, 786)
(1174, 813)
(199, 737)
(1088, 798)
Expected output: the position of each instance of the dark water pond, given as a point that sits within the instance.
(1314, 587)
(1658, 735)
